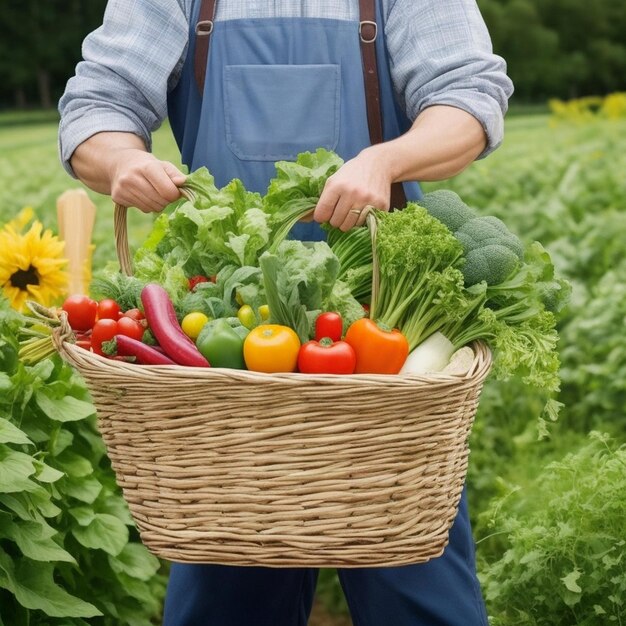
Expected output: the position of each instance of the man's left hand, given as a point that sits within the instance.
(363, 181)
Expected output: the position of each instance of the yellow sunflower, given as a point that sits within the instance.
(31, 265)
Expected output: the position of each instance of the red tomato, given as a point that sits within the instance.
(130, 328)
(134, 314)
(326, 357)
(81, 311)
(328, 325)
(103, 330)
(108, 309)
(195, 280)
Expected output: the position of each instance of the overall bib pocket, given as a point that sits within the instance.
(274, 112)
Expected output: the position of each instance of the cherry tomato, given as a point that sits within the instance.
(103, 330)
(130, 328)
(264, 312)
(108, 309)
(134, 314)
(247, 317)
(328, 325)
(196, 280)
(81, 312)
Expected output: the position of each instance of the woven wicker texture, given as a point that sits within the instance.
(283, 470)
(243, 468)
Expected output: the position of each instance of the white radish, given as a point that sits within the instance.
(432, 355)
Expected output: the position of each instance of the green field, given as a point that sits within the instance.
(548, 500)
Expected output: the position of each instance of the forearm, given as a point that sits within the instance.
(94, 161)
(442, 142)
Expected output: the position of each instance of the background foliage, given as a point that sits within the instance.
(554, 48)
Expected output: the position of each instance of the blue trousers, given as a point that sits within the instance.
(441, 592)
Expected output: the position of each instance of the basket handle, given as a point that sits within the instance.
(372, 225)
(120, 229)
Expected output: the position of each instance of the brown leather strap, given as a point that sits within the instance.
(368, 32)
(204, 28)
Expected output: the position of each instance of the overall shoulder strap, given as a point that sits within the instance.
(204, 28)
(368, 32)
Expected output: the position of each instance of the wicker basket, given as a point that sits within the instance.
(284, 470)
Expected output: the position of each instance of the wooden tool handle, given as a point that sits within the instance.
(76, 215)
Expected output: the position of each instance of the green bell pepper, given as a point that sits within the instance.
(222, 345)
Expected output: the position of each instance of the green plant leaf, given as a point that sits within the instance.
(85, 489)
(40, 499)
(9, 433)
(74, 464)
(135, 561)
(34, 539)
(570, 581)
(60, 441)
(15, 470)
(84, 515)
(64, 409)
(47, 474)
(34, 588)
(105, 532)
(5, 382)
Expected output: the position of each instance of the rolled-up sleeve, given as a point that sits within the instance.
(128, 66)
(441, 53)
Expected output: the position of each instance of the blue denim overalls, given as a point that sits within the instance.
(274, 88)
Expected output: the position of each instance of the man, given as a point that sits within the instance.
(251, 83)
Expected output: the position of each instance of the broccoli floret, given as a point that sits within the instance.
(491, 251)
(448, 208)
(487, 231)
(492, 263)
(496, 225)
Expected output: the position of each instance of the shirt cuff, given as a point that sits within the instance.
(81, 125)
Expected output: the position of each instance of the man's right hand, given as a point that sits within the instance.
(117, 164)
(139, 179)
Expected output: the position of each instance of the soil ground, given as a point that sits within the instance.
(321, 617)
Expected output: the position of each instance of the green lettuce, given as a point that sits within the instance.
(300, 282)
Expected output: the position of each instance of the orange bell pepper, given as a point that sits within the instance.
(378, 349)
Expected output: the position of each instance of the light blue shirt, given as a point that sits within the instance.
(440, 54)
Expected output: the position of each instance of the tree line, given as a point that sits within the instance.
(554, 48)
